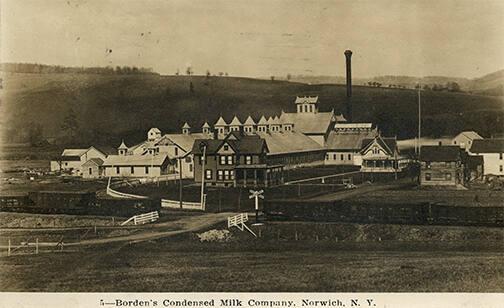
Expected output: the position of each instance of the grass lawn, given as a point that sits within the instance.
(267, 264)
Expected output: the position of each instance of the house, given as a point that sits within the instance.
(71, 160)
(492, 151)
(292, 149)
(465, 139)
(236, 160)
(441, 165)
(344, 143)
(148, 165)
(380, 155)
(309, 120)
(176, 146)
(92, 169)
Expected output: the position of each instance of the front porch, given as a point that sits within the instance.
(380, 165)
(259, 175)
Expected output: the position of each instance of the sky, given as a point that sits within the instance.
(259, 38)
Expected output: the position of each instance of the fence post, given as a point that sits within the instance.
(9, 248)
(95, 230)
(113, 221)
(296, 235)
(36, 246)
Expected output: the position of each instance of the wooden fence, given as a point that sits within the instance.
(173, 204)
(143, 218)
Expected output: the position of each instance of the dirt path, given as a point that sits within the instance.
(155, 231)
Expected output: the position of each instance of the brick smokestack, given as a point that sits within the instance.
(348, 56)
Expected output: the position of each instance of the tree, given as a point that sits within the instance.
(226, 74)
(177, 72)
(289, 77)
(189, 71)
(70, 124)
(272, 78)
(221, 74)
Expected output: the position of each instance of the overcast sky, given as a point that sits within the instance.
(260, 38)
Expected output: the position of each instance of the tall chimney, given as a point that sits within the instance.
(348, 56)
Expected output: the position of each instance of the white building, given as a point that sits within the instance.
(71, 160)
(466, 139)
(344, 143)
(492, 151)
(137, 165)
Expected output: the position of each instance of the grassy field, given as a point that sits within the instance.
(423, 262)
(110, 107)
(449, 197)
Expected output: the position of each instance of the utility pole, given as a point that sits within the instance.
(419, 120)
(203, 147)
(180, 172)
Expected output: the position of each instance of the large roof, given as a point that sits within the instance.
(135, 160)
(289, 142)
(350, 126)
(470, 135)
(487, 146)
(262, 121)
(309, 123)
(348, 140)
(74, 152)
(306, 100)
(440, 153)
(184, 141)
(242, 145)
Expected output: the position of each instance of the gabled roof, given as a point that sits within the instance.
(309, 123)
(249, 121)
(348, 140)
(186, 125)
(93, 162)
(289, 142)
(306, 99)
(135, 160)
(235, 122)
(440, 153)
(262, 121)
(220, 122)
(206, 125)
(275, 121)
(122, 146)
(487, 146)
(183, 141)
(243, 145)
(270, 120)
(388, 144)
(472, 135)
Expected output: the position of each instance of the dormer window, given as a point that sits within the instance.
(226, 147)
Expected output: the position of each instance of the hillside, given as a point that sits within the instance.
(108, 108)
(490, 84)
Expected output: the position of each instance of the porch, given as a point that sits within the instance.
(259, 175)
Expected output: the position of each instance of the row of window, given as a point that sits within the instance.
(306, 108)
(230, 160)
(222, 175)
(341, 156)
(132, 170)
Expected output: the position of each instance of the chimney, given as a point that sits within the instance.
(348, 56)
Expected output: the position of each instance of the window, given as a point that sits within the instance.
(342, 157)
(230, 159)
(334, 156)
(132, 170)
(208, 174)
(220, 175)
(146, 170)
(500, 168)
(226, 175)
(349, 156)
(176, 151)
(500, 155)
(448, 176)
(327, 157)
(248, 160)
(66, 164)
(376, 150)
(117, 170)
(231, 174)
(190, 168)
(188, 159)
(305, 108)
(226, 147)
(454, 141)
(427, 176)
(90, 171)
(222, 160)
(428, 165)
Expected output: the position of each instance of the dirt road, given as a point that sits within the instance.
(152, 231)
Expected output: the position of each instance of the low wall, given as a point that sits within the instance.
(118, 194)
(173, 204)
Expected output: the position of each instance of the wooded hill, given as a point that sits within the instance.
(103, 109)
